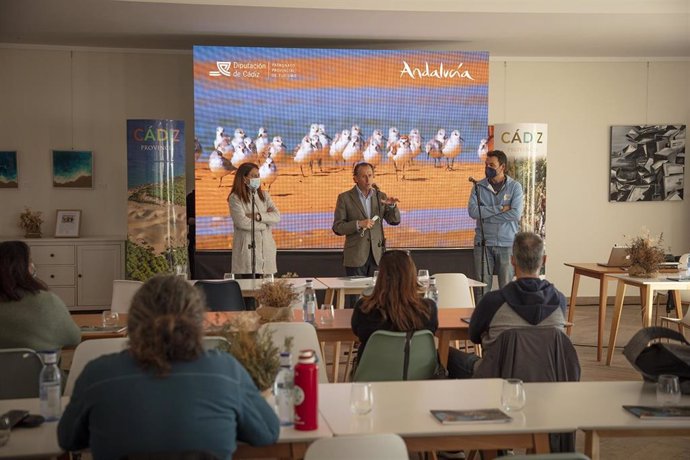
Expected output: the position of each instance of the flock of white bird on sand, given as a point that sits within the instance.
(348, 147)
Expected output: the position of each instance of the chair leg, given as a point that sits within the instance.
(348, 363)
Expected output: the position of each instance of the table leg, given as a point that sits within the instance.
(541, 443)
(603, 300)
(592, 444)
(341, 298)
(573, 299)
(679, 307)
(615, 321)
(330, 295)
(336, 362)
(647, 298)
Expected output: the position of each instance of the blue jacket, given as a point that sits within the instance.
(206, 405)
(499, 227)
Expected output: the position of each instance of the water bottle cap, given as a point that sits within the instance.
(309, 282)
(49, 357)
(307, 356)
(432, 280)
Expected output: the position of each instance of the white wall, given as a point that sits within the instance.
(42, 90)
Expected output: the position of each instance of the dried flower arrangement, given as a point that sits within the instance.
(646, 253)
(274, 300)
(254, 350)
(31, 222)
(290, 275)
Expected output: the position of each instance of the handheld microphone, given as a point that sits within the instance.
(472, 179)
(375, 187)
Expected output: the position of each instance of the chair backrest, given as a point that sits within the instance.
(189, 455)
(20, 368)
(361, 447)
(531, 354)
(222, 295)
(212, 342)
(123, 291)
(384, 355)
(683, 261)
(304, 338)
(453, 290)
(551, 456)
(88, 351)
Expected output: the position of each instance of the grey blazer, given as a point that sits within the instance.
(348, 210)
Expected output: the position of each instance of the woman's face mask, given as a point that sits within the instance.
(254, 183)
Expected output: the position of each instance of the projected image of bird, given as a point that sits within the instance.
(353, 150)
(246, 153)
(401, 155)
(452, 148)
(238, 139)
(483, 148)
(198, 149)
(434, 149)
(221, 137)
(262, 143)
(304, 153)
(373, 149)
(268, 172)
(219, 166)
(338, 145)
(277, 149)
(325, 148)
(415, 144)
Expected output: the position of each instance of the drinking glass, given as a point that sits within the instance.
(110, 318)
(4, 429)
(423, 278)
(375, 277)
(268, 278)
(667, 390)
(181, 270)
(327, 314)
(513, 395)
(228, 276)
(361, 398)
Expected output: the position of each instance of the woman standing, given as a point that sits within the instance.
(396, 303)
(31, 316)
(265, 215)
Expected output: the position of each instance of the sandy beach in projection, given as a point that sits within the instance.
(425, 190)
(148, 224)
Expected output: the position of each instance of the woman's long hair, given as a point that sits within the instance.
(165, 323)
(240, 188)
(396, 293)
(15, 278)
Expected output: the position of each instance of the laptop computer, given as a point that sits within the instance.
(619, 257)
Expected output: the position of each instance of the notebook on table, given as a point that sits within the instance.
(619, 257)
(453, 417)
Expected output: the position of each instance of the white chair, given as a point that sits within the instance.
(361, 447)
(212, 342)
(684, 297)
(88, 351)
(123, 291)
(453, 290)
(304, 337)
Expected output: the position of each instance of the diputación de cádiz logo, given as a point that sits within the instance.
(223, 69)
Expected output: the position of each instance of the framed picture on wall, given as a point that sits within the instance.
(72, 169)
(67, 223)
(9, 177)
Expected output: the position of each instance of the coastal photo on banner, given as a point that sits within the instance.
(307, 116)
(156, 215)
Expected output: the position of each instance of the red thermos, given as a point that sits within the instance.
(306, 391)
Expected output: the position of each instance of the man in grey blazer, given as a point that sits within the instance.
(359, 215)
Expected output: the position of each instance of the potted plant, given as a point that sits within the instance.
(31, 222)
(646, 253)
(274, 300)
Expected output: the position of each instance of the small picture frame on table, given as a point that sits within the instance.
(67, 223)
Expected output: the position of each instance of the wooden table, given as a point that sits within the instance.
(603, 274)
(403, 408)
(647, 287)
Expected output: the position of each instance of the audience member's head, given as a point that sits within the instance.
(17, 273)
(396, 293)
(165, 323)
(528, 254)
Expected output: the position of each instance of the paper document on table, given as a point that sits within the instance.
(450, 417)
(660, 412)
(118, 329)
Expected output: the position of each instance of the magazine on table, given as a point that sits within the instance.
(451, 417)
(117, 329)
(660, 412)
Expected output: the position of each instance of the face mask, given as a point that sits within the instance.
(254, 183)
(490, 172)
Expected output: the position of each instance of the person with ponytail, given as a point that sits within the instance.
(164, 393)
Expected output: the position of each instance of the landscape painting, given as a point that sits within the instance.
(72, 169)
(8, 170)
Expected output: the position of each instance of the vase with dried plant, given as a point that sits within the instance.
(254, 349)
(646, 253)
(274, 300)
(30, 222)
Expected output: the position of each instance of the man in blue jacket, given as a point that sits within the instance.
(527, 301)
(501, 200)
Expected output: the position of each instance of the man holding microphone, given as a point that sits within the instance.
(359, 215)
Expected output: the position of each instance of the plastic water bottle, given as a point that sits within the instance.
(284, 391)
(49, 387)
(309, 305)
(432, 291)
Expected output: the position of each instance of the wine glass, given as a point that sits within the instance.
(361, 398)
(375, 277)
(181, 270)
(228, 276)
(327, 314)
(268, 278)
(513, 396)
(667, 390)
(110, 318)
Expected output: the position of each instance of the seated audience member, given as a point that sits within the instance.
(31, 316)
(395, 304)
(165, 393)
(527, 301)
